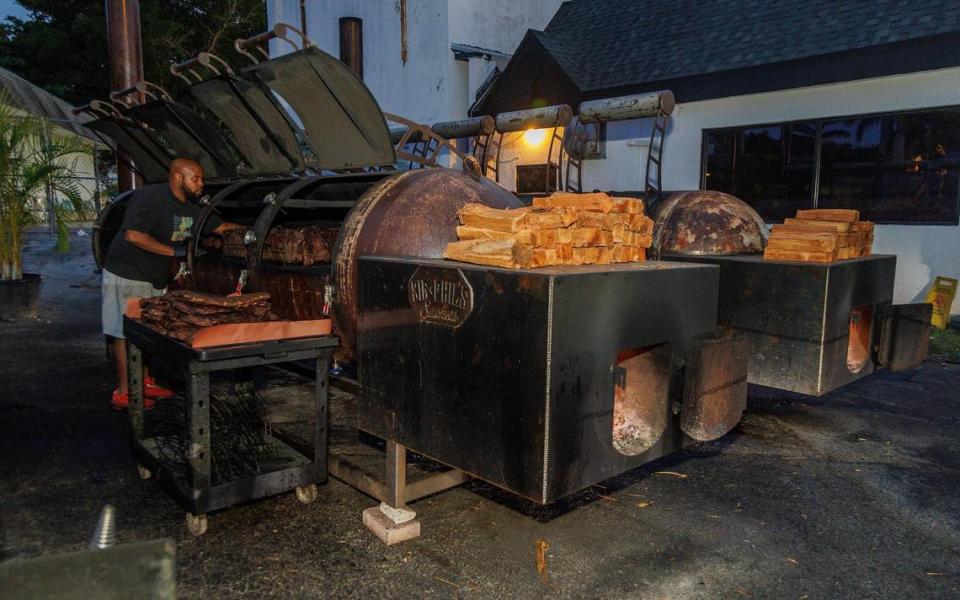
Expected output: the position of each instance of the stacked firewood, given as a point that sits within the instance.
(180, 313)
(820, 235)
(307, 245)
(560, 229)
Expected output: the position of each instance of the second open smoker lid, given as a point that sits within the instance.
(259, 128)
(342, 121)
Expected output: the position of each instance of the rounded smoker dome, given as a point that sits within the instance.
(706, 223)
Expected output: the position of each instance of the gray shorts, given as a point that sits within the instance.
(115, 292)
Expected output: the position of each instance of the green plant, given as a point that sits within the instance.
(35, 162)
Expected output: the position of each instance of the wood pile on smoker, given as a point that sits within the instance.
(306, 245)
(560, 229)
(180, 313)
(820, 235)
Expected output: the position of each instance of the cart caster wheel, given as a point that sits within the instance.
(307, 494)
(144, 472)
(197, 524)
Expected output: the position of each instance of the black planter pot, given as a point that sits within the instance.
(20, 298)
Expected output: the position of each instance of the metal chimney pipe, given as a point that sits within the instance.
(351, 44)
(126, 66)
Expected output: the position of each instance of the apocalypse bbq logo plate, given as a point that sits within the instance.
(440, 296)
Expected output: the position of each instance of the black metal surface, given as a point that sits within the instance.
(343, 124)
(259, 127)
(188, 136)
(149, 159)
(904, 336)
(796, 315)
(522, 393)
(193, 489)
(714, 387)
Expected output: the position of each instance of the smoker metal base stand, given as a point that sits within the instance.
(194, 489)
(393, 521)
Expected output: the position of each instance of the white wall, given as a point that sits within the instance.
(431, 86)
(923, 251)
(498, 24)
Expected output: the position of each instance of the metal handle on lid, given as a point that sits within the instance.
(142, 87)
(279, 31)
(204, 59)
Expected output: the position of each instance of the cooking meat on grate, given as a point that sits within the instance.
(305, 245)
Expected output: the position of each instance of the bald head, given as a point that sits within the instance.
(186, 179)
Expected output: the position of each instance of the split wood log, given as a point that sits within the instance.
(829, 214)
(515, 219)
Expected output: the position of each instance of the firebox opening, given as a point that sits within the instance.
(858, 345)
(640, 397)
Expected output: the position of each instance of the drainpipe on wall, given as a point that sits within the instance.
(351, 44)
(303, 18)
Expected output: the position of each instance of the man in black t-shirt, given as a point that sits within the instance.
(158, 222)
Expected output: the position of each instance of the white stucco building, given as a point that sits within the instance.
(451, 45)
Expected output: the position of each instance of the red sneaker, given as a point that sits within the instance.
(153, 390)
(122, 401)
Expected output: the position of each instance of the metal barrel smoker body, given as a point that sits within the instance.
(811, 327)
(333, 166)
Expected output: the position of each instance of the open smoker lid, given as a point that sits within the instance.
(149, 159)
(185, 134)
(342, 121)
(259, 128)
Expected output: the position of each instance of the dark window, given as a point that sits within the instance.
(893, 168)
(770, 167)
(534, 179)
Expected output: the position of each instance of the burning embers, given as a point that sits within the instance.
(179, 314)
(641, 394)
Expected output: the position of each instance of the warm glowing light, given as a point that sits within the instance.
(534, 137)
(916, 166)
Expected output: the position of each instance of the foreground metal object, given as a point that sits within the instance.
(144, 570)
(528, 379)
(706, 223)
(813, 328)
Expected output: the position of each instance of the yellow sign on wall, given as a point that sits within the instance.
(941, 296)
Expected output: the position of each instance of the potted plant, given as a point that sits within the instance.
(35, 162)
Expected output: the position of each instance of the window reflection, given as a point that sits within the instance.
(769, 167)
(892, 168)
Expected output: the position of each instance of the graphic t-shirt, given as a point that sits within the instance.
(154, 210)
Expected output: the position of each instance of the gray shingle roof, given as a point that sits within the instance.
(610, 43)
(35, 100)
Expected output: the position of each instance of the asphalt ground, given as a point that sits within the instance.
(852, 495)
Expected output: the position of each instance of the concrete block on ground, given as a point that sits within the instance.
(389, 532)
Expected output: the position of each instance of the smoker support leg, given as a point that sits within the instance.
(135, 387)
(393, 521)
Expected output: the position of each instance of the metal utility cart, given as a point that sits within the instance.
(190, 482)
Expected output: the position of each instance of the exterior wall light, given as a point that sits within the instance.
(534, 137)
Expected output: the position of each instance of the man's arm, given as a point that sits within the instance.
(147, 242)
